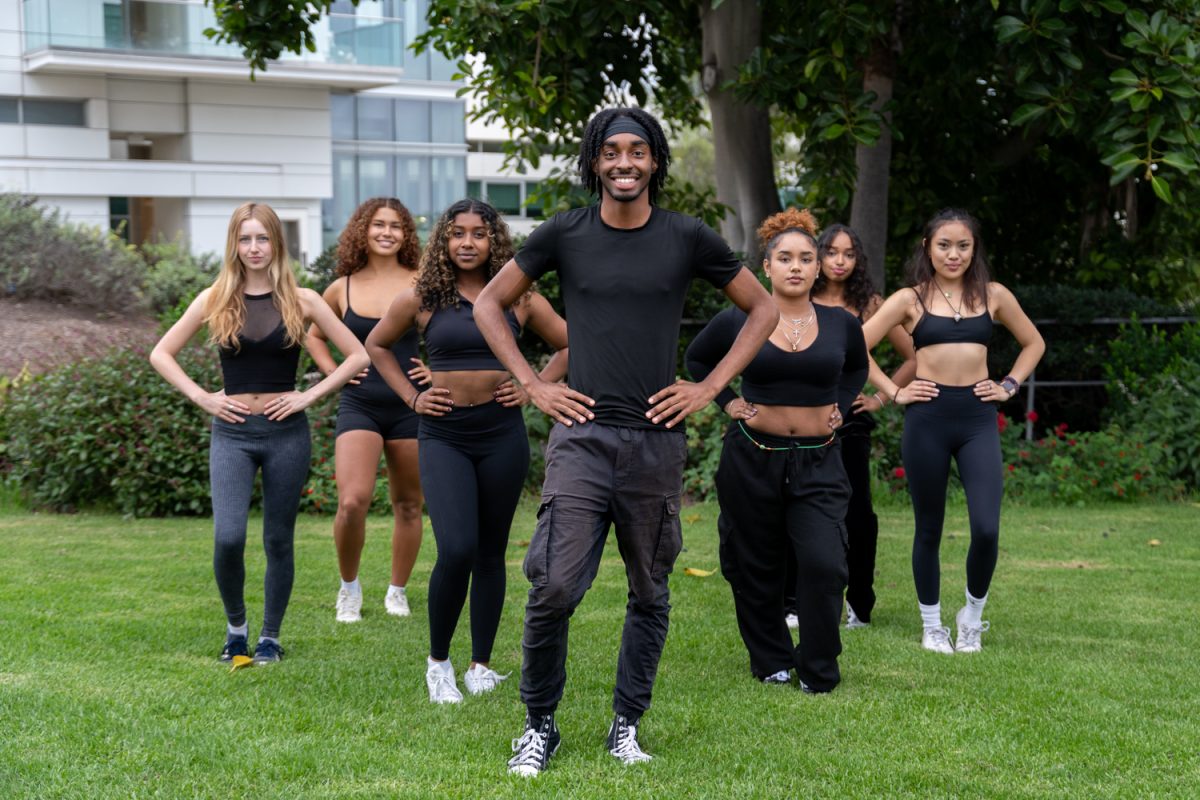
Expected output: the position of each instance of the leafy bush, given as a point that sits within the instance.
(1140, 355)
(47, 258)
(174, 275)
(1165, 410)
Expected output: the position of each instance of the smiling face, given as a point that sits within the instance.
(385, 232)
(468, 242)
(254, 246)
(624, 167)
(950, 250)
(839, 259)
(792, 265)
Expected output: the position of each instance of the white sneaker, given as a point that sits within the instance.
(792, 621)
(480, 679)
(396, 603)
(852, 620)
(937, 640)
(349, 606)
(439, 678)
(969, 639)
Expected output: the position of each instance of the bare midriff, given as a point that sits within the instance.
(256, 400)
(470, 387)
(792, 420)
(953, 363)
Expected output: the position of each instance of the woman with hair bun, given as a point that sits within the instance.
(377, 257)
(780, 483)
(256, 315)
(949, 310)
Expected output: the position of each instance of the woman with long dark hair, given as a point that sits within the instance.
(376, 259)
(474, 453)
(950, 310)
(256, 316)
(781, 485)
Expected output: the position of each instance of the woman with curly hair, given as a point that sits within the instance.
(950, 310)
(376, 260)
(474, 452)
(256, 315)
(780, 482)
(844, 282)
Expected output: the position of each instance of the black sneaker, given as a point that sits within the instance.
(267, 651)
(234, 646)
(623, 744)
(535, 747)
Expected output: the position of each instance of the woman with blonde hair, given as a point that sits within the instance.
(780, 483)
(256, 315)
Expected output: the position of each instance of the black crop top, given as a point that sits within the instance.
(263, 361)
(833, 369)
(454, 342)
(938, 329)
(373, 387)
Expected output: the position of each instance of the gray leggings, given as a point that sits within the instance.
(238, 450)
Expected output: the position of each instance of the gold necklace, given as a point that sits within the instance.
(957, 311)
(800, 326)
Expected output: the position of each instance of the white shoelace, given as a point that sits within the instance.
(627, 748)
(939, 636)
(530, 750)
(971, 633)
(483, 679)
(444, 688)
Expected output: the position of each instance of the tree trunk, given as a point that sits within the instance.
(869, 209)
(745, 168)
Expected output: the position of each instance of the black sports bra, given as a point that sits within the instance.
(263, 361)
(453, 340)
(406, 347)
(937, 329)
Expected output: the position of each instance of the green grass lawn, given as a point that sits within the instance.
(1088, 685)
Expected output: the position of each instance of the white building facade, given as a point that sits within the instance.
(121, 112)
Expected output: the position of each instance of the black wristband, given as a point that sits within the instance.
(413, 406)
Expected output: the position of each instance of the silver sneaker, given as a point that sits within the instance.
(623, 743)
(480, 679)
(439, 679)
(969, 639)
(937, 640)
(349, 606)
(395, 602)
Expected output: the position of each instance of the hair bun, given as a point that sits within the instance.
(787, 219)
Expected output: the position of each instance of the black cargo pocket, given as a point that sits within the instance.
(670, 538)
(537, 557)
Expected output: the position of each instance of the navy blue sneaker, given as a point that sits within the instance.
(268, 651)
(234, 646)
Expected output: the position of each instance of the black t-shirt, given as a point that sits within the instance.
(623, 290)
(832, 369)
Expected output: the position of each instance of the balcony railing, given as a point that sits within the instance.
(175, 28)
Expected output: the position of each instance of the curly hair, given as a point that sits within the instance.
(593, 141)
(435, 278)
(790, 220)
(352, 244)
(858, 289)
(921, 275)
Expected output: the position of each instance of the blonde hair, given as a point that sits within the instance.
(225, 310)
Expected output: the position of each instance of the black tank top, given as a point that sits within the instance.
(263, 361)
(937, 329)
(454, 342)
(373, 388)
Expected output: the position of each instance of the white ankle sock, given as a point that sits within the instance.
(353, 587)
(394, 588)
(241, 630)
(272, 639)
(973, 612)
(931, 616)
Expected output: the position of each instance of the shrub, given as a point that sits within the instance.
(47, 258)
(1165, 410)
(174, 275)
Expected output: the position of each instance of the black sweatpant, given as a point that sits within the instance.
(597, 476)
(773, 504)
(955, 424)
(473, 463)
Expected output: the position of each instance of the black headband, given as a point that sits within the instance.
(624, 124)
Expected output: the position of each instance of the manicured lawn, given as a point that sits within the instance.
(1088, 686)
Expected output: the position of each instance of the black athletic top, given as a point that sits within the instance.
(373, 387)
(833, 369)
(938, 329)
(262, 361)
(623, 291)
(453, 340)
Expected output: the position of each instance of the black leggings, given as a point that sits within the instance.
(473, 463)
(955, 423)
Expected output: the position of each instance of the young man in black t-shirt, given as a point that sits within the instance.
(617, 456)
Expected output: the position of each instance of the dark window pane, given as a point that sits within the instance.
(8, 110)
(449, 123)
(375, 118)
(475, 190)
(54, 112)
(532, 209)
(341, 113)
(506, 197)
(412, 120)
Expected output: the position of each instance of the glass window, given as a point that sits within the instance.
(448, 181)
(9, 111)
(374, 176)
(375, 118)
(118, 216)
(475, 190)
(54, 112)
(341, 113)
(532, 209)
(506, 197)
(412, 185)
(345, 189)
(449, 123)
(412, 120)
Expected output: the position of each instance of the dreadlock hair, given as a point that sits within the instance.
(921, 275)
(352, 248)
(790, 220)
(593, 140)
(858, 289)
(435, 279)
